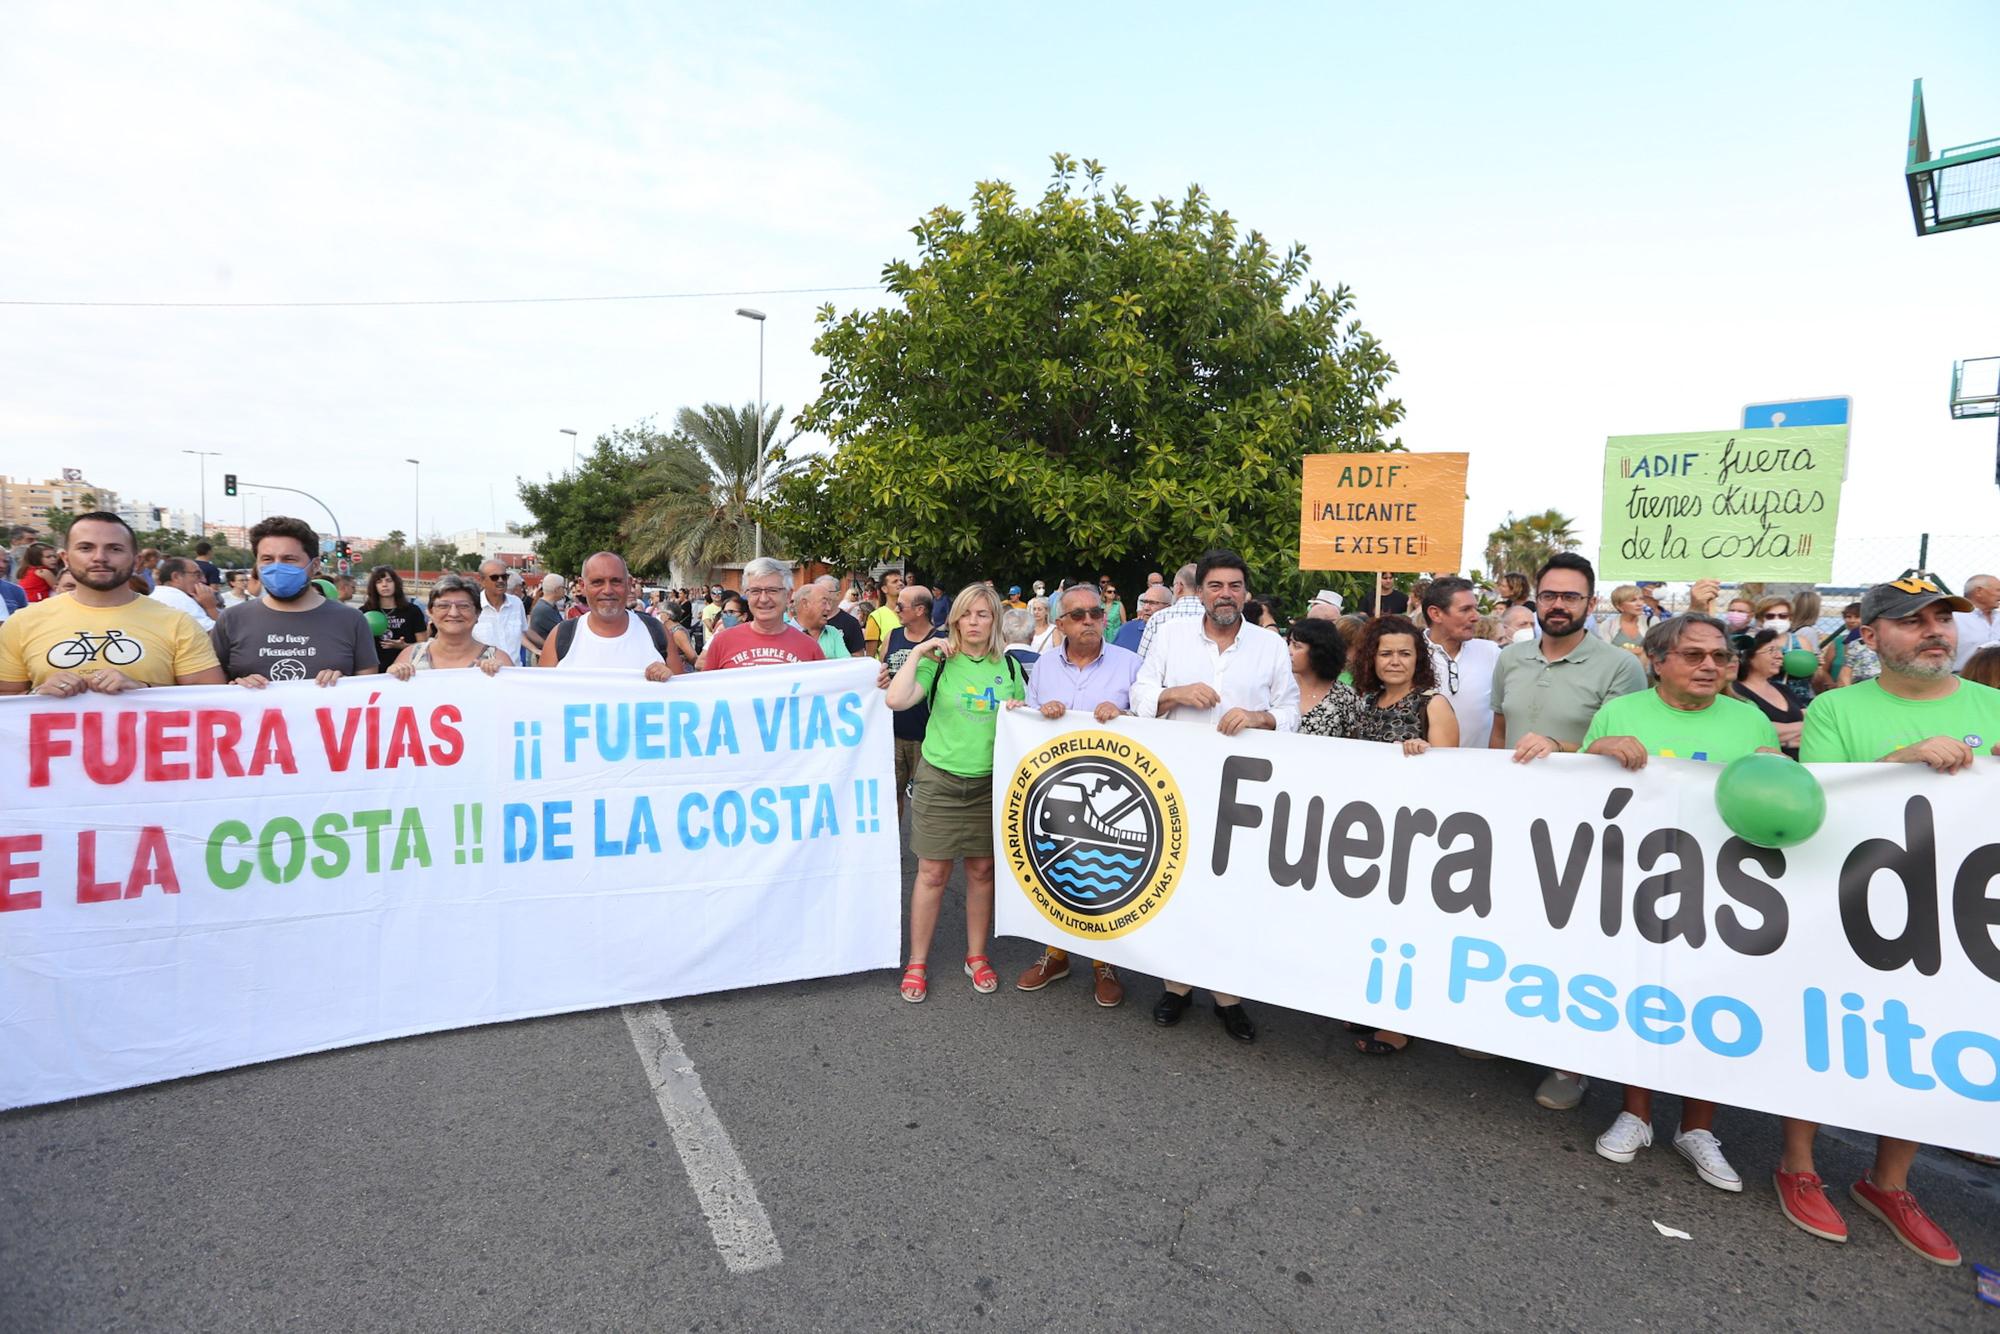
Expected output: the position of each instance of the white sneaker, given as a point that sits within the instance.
(1705, 1152)
(1561, 1090)
(1627, 1135)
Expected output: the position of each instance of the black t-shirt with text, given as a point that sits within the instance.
(908, 725)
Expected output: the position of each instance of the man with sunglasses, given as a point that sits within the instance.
(1085, 673)
(1688, 715)
(1546, 692)
(503, 620)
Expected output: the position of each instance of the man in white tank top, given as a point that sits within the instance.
(610, 635)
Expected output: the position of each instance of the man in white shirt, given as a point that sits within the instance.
(1462, 660)
(1222, 672)
(177, 581)
(503, 621)
(1980, 626)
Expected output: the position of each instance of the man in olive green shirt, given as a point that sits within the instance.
(1546, 691)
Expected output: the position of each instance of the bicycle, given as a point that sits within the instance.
(113, 647)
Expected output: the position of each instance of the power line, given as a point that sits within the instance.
(452, 301)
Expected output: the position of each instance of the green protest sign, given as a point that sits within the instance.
(1725, 504)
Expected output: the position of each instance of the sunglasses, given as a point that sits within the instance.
(1082, 614)
(1694, 657)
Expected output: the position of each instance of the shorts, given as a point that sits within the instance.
(908, 755)
(951, 816)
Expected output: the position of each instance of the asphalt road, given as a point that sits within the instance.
(1008, 1162)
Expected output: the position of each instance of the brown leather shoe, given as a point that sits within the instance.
(1110, 991)
(1042, 972)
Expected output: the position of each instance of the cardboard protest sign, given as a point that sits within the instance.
(1727, 504)
(1402, 512)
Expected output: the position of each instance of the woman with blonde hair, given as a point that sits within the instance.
(966, 679)
(1625, 627)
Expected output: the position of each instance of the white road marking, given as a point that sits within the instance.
(728, 1197)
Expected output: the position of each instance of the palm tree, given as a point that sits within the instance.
(1524, 544)
(696, 494)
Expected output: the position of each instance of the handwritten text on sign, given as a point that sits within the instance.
(1734, 504)
(1382, 511)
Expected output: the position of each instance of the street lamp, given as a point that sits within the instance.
(757, 484)
(204, 455)
(564, 430)
(416, 520)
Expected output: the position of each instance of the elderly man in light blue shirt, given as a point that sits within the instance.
(1081, 672)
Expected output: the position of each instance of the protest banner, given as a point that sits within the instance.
(198, 878)
(1399, 512)
(1569, 913)
(1758, 504)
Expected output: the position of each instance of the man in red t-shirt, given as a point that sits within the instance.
(766, 641)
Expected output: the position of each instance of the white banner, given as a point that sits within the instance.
(1568, 913)
(198, 878)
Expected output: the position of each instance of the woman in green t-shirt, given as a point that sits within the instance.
(966, 680)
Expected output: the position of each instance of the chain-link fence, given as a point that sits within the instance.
(1859, 561)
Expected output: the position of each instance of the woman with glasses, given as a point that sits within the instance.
(454, 604)
(1758, 673)
(405, 618)
(964, 679)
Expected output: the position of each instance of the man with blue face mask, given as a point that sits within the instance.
(292, 632)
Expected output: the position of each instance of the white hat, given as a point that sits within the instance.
(1330, 598)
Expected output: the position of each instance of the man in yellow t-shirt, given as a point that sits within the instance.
(884, 621)
(104, 636)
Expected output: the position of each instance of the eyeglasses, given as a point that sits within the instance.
(1777, 616)
(1082, 614)
(1694, 657)
(1562, 599)
(764, 592)
(492, 578)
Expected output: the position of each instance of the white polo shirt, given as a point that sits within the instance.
(1254, 672)
(1976, 629)
(1467, 681)
(502, 626)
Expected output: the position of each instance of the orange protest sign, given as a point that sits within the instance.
(1402, 512)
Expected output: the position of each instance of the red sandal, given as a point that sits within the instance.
(980, 969)
(916, 984)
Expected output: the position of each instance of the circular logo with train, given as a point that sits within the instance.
(1095, 831)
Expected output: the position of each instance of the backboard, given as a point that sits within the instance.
(1956, 188)
(1975, 387)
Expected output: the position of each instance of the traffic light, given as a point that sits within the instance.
(229, 484)
(342, 550)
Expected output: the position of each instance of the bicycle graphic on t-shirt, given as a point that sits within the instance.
(113, 646)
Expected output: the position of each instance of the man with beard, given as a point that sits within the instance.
(104, 637)
(293, 632)
(1915, 712)
(1546, 691)
(1220, 671)
(610, 634)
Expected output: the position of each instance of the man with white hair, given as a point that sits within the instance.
(765, 640)
(1186, 606)
(838, 616)
(810, 604)
(1980, 626)
(1151, 603)
(503, 622)
(548, 613)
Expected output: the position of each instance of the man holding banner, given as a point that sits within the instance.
(1915, 712)
(1220, 670)
(1684, 717)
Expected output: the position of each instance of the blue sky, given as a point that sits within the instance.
(1565, 222)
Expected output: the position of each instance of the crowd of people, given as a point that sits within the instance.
(1533, 670)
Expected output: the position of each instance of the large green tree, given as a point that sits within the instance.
(697, 494)
(585, 510)
(1086, 383)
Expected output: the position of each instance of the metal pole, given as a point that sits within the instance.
(201, 504)
(760, 436)
(416, 520)
(1924, 552)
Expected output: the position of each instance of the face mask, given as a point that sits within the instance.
(1523, 635)
(1737, 620)
(1780, 624)
(283, 582)
(728, 618)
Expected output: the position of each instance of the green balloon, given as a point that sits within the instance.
(1801, 662)
(327, 587)
(1770, 801)
(378, 623)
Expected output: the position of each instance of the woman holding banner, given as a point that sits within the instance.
(1319, 656)
(965, 679)
(1395, 700)
(454, 604)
